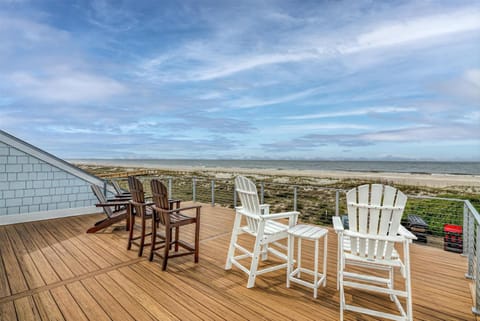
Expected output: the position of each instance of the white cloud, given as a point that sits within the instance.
(417, 29)
(466, 87)
(65, 87)
(319, 127)
(217, 57)
(356, 112)
(255, 102)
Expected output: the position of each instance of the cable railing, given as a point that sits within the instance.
(318, 204)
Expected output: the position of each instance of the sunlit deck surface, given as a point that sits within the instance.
(53, 270)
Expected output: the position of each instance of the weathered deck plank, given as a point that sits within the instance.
(53, 270)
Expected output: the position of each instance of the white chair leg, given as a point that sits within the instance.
(408, 284)
(299, 257)
(315, 269)
(325, 248)
(342, 295)
(339, 239)
(254, 265)
(233, 241)
(290, 258)
(265, 252)
(392, 281)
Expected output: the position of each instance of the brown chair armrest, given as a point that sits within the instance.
(111, 204)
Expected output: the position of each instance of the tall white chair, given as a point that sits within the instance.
(262, 226)
(374, 215)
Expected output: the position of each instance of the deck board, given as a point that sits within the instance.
(53, 270)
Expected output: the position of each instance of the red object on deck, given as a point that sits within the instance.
(453, 239)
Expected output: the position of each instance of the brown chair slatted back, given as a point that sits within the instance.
(136, 189)
(117, 187)
(101, 199)
(160, 198)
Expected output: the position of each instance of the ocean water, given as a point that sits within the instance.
(464, 168)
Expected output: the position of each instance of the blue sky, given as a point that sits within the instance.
(243, 79)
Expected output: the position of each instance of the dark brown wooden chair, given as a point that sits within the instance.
(115, 210)
(120, 192)
(141, 209)
(171, 218)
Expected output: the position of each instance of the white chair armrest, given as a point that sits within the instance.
(292, 217)
(406, 233)
(337, 224)
(265, 208)
(277, 216)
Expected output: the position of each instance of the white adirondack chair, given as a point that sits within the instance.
(374, 214)
(260, 224)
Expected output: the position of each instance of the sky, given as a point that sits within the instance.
(243, 79)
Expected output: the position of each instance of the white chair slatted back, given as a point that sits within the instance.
(374, 210)
(247, 192)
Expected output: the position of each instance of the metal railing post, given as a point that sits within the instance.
(234, 196)
(337, 202)
(470, 238)
(262, 192)
(194, 189)
(170, 187)
(465, 229)
(295, 198)
(213, 192)
(476, 308)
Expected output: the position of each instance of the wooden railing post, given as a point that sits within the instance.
(170, 187)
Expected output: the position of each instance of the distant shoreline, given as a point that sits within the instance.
(389, 166)
(414, 179)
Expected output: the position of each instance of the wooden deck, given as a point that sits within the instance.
(53, 270)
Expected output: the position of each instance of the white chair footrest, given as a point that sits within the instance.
(368, 278)
(374, 288)
(375, 313)
(241, 267)
(244, 250)
(272, 268)
(293, 277)
(278, 254)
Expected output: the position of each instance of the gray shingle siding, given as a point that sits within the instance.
(28, 184)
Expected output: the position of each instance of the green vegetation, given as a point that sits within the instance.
(316, 197)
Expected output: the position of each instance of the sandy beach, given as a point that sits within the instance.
(429, 180)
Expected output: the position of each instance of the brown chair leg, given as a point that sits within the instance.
(132, 224)
(154, 236)
(142, 236)
(197, 237)
(168, 237)
(127, 224)
(177, 233)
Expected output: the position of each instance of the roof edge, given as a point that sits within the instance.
(51, 159)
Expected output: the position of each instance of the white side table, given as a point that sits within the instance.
(313, 233)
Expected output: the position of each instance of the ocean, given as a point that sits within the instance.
(425, 167)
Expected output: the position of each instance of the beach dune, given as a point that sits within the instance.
(414, 179)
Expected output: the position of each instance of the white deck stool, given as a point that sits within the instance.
(313, 233)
